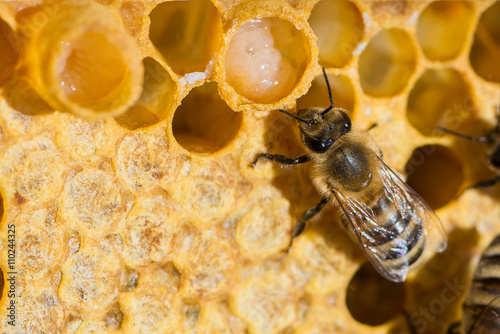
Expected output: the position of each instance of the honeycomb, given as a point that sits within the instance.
(127, 126)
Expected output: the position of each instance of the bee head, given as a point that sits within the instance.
(320, 128)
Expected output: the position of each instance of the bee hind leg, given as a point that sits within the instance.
(301, 224)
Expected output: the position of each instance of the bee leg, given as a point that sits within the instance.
(411, 327)
(486, 183)
(301, 224)
(454, 328)
(282, 160)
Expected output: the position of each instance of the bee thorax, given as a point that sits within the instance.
(349, 166)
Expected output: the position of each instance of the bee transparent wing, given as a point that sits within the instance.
(392, 246)
(434, 230)
(364, 225)
(488, 321)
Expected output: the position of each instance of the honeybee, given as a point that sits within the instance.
(392, 223)
(492, 138)
(482, 305)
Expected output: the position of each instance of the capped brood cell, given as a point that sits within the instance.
(83, 61)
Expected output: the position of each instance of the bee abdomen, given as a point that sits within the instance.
(399, 237)
(484, 289)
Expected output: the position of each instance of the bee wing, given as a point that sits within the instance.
(488, 321)
(391, 261)
(434, 230)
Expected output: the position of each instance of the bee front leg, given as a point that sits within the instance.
(281, 159)
(301, 224)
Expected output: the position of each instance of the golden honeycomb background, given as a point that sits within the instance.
(127, 128)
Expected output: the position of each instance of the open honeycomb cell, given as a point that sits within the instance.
(342, 93)
(203, 123)
(484, 54)
(387, 63)
(157, 100)
(70, 75)
(187, 34)
(366, 289)
(443, 27)
(339, 27)
(440, 98)
(126, 133)
(436, 173)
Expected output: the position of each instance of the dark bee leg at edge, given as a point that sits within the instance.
(301, 224)
(410, 323)
(486, 183)
(454, 328)
(281, 159)
(374, 125)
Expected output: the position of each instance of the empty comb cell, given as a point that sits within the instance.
(84, 62)
(187, 34)
(342, 93)
(440, 98)
(157, 100)
(387, 63)
(203, 123)
(485, 52)
(339, 27)
(436, 172)
(443, 27)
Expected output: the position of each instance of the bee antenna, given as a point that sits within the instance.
(473, 139)
(329, 94)
(292, 116)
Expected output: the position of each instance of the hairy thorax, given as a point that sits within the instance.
(348, 167)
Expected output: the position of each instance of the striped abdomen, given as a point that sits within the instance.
(484, 289)
(394, 232)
